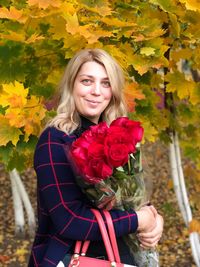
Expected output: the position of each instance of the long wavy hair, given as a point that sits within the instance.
(67, 118)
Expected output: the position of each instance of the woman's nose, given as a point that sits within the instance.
(96, 88)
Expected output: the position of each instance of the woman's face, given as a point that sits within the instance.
(92, 90)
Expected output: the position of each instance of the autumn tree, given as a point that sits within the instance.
(156, 42)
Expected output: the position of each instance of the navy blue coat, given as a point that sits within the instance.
(64, 214)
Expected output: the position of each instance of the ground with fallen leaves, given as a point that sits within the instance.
(174, 247)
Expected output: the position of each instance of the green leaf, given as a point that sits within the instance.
(166, 5)
(6, 153)
(2, 110)
(46, 90)
(8, 133)
(17, 161)
(191, 152)
(5, 3)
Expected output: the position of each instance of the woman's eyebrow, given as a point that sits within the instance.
(91, 76)
(86, 75)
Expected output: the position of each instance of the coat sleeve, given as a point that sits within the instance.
(62, 199)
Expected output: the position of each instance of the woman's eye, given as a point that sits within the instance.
(106, 84)
(86, 81)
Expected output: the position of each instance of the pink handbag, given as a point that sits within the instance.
(110, 242)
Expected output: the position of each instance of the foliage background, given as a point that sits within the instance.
(157, 43)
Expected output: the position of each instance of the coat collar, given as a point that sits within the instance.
(84, 125)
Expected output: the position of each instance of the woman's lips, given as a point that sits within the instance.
(93, 103)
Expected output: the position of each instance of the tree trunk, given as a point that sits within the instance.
(181, 194)
(22, 197)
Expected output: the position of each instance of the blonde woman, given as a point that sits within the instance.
(91, 91)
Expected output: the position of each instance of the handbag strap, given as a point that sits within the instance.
(112, 250)
(112, 235)
(105, 235)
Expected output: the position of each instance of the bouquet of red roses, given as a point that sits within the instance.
(107, 164)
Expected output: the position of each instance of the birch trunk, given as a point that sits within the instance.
(18, 207)
(25, 200)
(181, 194)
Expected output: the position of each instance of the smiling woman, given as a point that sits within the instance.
(91, 92)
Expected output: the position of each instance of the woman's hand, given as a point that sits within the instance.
(150, 239)
(146, 219)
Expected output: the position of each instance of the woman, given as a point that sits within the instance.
(91, 91)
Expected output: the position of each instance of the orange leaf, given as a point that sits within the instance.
(194, 226)
(13, 95)
(170, 184)
(4, 258)
(44, 3)
(131, 93)
(13, 14)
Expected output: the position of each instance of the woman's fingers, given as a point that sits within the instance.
(150, 240)
(153, 209)
(150, 243)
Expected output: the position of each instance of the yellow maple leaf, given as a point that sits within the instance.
(68, 8)
(102, 10)
(191, 4)
(194, 93)
(8, 133)
(58, 22)
(150, 132)
(14, 36)
(112, 21)
(119, 54)
(139, 63)
(33, 38)
(21, 254)
(15, 117)
(194, 226)
(185, 53)
(92, 35)
(23, 113)
(13, 95)
(175, 26)
(90, 32)
(147, 51)
(72, 25)
(45, 3)
(33, 114)
(72, 44)
(13, 14)
(178, 83)
(131, 92)
(100, 7)
(54, 76)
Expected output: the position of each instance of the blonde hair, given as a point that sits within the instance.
(67, 118)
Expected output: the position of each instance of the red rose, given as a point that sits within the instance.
(102, 148)
(134, 128)
(96, 133)
(79, 151)
(119, 135)
(117, 154)
(80, 156)
(96, 151)
(96, 170)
